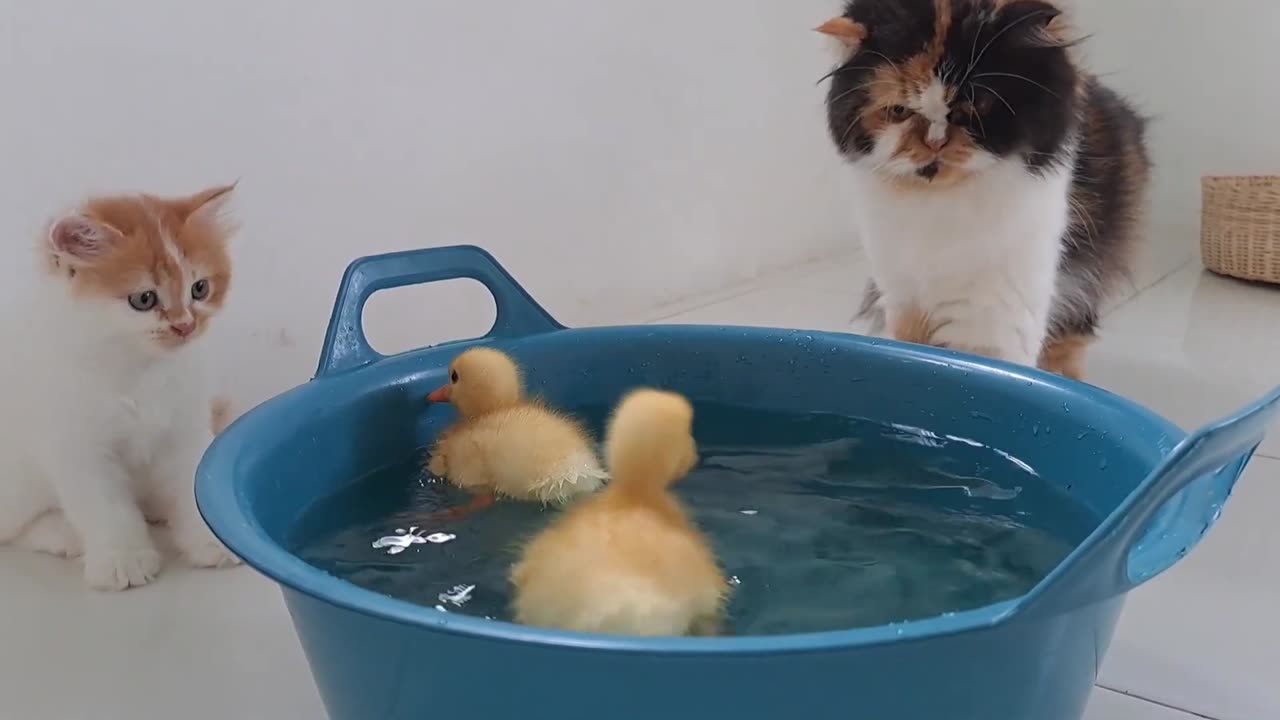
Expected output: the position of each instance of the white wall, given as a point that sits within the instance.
(614, 155)
(1206, 73)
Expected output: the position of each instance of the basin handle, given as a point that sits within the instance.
(1163, 519)
(345, 344)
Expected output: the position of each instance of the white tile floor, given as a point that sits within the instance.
(1204, 638)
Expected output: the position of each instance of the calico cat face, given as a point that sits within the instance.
(148, 270)
(932, 91)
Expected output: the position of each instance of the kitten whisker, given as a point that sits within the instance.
(1017, 77)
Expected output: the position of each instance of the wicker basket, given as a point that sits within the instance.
(1240, 227)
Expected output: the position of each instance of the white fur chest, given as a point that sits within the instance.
(133, 407)
(921, 242)
(980, 257)
(167, 399)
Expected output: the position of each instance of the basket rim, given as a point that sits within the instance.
(1219, 178)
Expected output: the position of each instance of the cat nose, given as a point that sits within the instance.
(183, 329)
(936, 136)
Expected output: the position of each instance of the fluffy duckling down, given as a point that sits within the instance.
(505, 444)
(628, 561)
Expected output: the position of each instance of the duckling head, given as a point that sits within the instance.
(649, 444)
(481, 380)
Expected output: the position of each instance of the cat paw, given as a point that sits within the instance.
(120, 568)
(206, 552)
(52, 534)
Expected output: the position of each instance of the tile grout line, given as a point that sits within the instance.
(1157, 703)
(740, 290)
(1150, 286)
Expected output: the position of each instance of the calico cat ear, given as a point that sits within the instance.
(1031, 18)
(82, 240)
(846, 31)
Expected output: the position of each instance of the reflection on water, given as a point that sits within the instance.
(822, 524)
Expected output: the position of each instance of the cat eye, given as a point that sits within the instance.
(143, 301)
(200, 289)
(980, 106)
(453, 376)
(983, 104)
(898, 113)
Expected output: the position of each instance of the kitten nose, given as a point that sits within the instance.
(183, 329)
(936, 143)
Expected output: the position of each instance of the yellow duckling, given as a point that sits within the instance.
(628, 561)
(506, 445)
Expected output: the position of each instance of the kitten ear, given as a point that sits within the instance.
(207, 203)
(847, 33)
(82, 240)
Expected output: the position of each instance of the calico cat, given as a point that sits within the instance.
(999, 188)
(108, 412)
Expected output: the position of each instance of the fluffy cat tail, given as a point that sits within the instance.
(649, 444)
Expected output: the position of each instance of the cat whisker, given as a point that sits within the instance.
(973, 52)
(982, 125)
(1018, 77)
(974, 63)
(999, 97)
(863, 86)
(845, 137)
(892, 64)
(841, 69)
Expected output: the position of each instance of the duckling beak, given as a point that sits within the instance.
(439, 396)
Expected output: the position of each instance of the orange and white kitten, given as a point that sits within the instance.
(112, 412)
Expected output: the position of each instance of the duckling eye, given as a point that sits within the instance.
(453, 376)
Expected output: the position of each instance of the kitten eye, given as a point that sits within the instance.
(453, 376)
(898, 113)
(200, 289)
(143, 301)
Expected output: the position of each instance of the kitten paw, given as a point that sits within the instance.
(207, 552)
(121, 568)
(52, 534)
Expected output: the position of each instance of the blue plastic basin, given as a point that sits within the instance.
(1153, 490)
